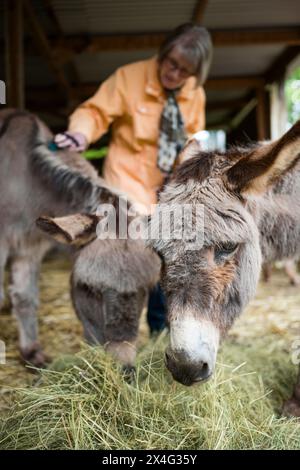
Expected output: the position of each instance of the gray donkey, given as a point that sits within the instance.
(110, 279)
(251, 204)
(290, 267)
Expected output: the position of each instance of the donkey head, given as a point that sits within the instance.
(110, 281)
(207, 286)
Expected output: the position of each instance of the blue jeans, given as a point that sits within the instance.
(156, 315)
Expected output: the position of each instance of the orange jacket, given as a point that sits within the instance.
(132, 100)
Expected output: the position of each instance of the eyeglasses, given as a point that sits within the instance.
(183, 72)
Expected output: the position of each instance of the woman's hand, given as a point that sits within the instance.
(71, 140)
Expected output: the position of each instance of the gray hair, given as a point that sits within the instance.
(196, 44)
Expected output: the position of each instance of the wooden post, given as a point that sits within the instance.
(44, 46)
(14, 54)
(199, 11)
(262, 114)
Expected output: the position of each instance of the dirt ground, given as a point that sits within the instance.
(275, 309)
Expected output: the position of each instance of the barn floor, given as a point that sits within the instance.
(274, 310)
(273, 313)
(59, 330)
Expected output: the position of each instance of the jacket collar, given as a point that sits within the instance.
(154, 88)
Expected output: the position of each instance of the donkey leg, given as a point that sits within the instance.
(25, 300)
(292, 406)
(266, 272)
(291, 271)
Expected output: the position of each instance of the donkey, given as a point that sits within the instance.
(290, 267)
(251, 203)
(110, 279)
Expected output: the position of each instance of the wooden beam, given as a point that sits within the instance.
(220, 38)
(67, 46)
(260, 103)
(219, 83)
(216, 125)
(199, 11)
(46, 49)
(60, 34)
(53, 17)
(48, 95)
(226, 104)
(243, 113)
(277, 69)
(262, 114)
(234, 118)
(14, 54)
(45, 97)
(252, 36)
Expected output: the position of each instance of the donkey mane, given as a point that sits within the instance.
(67, 183)
(201, 166)
(197, 168)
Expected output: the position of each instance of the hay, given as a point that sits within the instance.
(59, 329)
(82, 401)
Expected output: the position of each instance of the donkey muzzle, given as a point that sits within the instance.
(187, 372)
(191, 356)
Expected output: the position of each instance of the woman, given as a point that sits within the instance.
(153, 107)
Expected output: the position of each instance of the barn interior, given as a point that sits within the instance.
(53, 55)
(57, 52)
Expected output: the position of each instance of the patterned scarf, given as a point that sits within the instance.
(172, 135)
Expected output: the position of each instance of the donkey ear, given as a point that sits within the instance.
(257, 170)
(191, 149)
(77, 229)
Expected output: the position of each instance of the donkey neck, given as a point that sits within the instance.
(68, 182)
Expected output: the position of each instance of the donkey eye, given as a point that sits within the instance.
(225, 250)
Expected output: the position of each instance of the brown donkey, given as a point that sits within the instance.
(251, 204)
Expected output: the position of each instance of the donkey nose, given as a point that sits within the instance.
(186, 371)
(203, 372)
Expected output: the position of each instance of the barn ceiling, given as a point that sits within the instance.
(89, 39)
